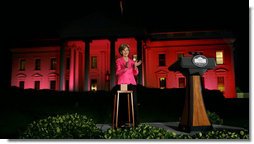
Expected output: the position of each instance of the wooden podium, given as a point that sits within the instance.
(194, 116)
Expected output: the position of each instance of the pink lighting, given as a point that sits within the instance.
(33, 66)
(173, 48)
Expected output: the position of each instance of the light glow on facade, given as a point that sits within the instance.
(85, 65)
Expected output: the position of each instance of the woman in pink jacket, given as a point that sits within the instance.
(126, 70)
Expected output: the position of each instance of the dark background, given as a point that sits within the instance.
(21, 21)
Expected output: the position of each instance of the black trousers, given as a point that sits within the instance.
(123, 105)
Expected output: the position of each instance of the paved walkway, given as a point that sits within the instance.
(172, 126)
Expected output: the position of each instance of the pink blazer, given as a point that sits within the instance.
(125, 75)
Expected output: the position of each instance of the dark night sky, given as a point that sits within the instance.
(22, 21)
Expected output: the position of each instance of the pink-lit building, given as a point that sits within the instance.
(82, 64)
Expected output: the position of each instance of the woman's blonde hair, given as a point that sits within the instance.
(122, 47)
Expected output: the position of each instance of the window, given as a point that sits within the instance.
(93, 85)
(22, 84)
(67, 85)
(219, 57)
(22, 65)
(37, 85)
(162, 60)
(220, 83)
(162, 83)
(53, 63)
(181, 82)
(68, 63)
(93, 62)
(37, 64)
(53, 85)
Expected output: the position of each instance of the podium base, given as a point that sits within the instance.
(194, 128)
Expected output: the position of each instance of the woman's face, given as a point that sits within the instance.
(125, 52)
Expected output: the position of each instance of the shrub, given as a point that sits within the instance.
(69, 126)
(145, 131)
(214, 118)
(142, 131)
(222, 134)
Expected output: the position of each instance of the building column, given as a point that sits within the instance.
(72, 69)
(112, 63)
(76, 65)
(87, 65)
(140, 54)
(62, 67)
(76, 74)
